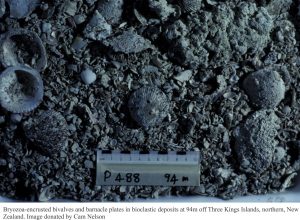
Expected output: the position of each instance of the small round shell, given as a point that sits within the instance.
(22, 47)
(148, 106)
(21, 89)
(48, 131)
(265, 88)
(128, 42)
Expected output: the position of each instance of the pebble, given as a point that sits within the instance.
(79, 19)
(286, 110)
(184, 76)
(15, 118)
(191, 5)
(88, 76)
(111, 10)
(46, 27)
(48, 131)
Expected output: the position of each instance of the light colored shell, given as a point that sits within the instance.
(21, 89)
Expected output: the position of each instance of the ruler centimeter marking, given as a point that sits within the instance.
(151, 168)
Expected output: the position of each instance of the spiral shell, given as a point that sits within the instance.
(22, 47)
(21, 89)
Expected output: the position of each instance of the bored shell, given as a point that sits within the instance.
(21, 89)
(22, 47)
(148, 106)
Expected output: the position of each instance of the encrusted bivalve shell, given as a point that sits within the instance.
(22, 47)
(148, 106)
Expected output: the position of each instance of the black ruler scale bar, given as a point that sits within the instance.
(151, 168)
